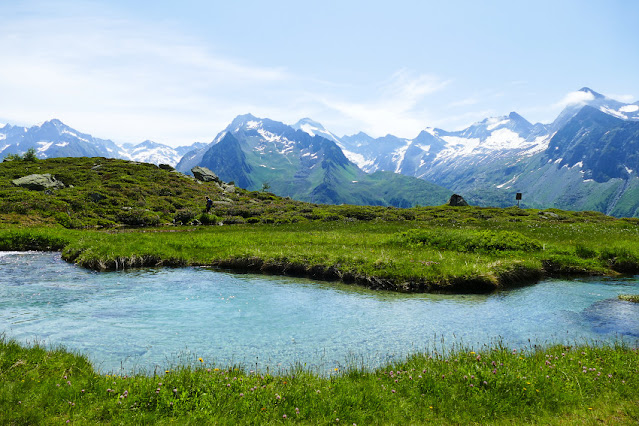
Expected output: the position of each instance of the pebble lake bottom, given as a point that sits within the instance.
(149, 320)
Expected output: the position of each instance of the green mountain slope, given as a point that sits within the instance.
(255, 152)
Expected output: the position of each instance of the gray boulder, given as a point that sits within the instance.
(457, 201)
(38, 182)
(205, 175)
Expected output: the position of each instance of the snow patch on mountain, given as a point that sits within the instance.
(268, 136)
(614, 113)
(459, 146)
(504, 139)
(496, 122)
(398, 157)
(313, 128)
(44, 146)
(629, 108)
(308, 129)
(360, 161)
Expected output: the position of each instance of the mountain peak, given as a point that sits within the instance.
(313, 128)
(148, 144)
(307, 120)
(592, 92)
(241, 120)
(53, 122)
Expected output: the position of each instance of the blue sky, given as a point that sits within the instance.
(179, 72)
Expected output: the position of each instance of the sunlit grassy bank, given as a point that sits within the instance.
(554, 385)
(451, 249)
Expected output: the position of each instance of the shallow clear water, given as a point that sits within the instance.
(150, 319)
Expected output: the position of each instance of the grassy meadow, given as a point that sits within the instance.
(467, 249)
(114, 215)
(555, 385)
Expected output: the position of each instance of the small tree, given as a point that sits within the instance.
(265, 186)
(13, 157)
(30, 155)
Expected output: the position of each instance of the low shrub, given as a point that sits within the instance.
(233, 220)
(184, 216)
(138, 217)
(620, 259)
(585, 252)
(209, 219)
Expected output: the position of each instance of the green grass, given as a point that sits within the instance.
(437, 248)
(629, 297)
(440, 249)
(553, 385)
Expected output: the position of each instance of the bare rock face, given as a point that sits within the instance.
(457, 201)
(205, 175)
(38, 182)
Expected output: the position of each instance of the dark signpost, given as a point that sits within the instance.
(518, 198)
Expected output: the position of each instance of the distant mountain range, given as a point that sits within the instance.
(55, 139)
(256, 153)
(586, 159)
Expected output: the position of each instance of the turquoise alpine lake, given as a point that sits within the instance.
(149, 320)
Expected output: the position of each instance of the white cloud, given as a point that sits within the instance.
(628, 99)
(574, 98)
(396, 106)
(122, 80)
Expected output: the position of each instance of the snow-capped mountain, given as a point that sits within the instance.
(435, 152)
(156, 153)
(303, 164)
(588, 97)
(55, 139)
(587, 158)
(584, 159)
(314, 128)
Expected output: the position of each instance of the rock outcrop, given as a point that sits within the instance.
(457, 201)
(38, 182)
(205, 175)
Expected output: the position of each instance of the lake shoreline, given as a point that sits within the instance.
(378, 256)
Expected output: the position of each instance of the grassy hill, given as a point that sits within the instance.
(106, 193)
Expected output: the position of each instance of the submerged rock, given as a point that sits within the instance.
(614, 316)
(38, 182)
